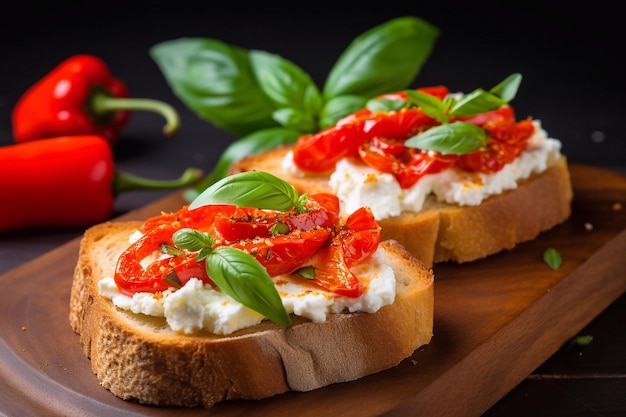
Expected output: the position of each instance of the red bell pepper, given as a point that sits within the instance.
(81, 97)
(68, 181)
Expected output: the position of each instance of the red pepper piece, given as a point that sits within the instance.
(130, 276)
(81, 97)
(66, 182)
(250, 223)
(350, 245)
(285, 253)
(320, 152)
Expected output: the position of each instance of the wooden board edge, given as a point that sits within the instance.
(565, 309)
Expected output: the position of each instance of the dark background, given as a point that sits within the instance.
(573, 62)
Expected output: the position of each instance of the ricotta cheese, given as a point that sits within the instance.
(198, 306)
(358, 185)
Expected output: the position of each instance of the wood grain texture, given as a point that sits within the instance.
(496, 320)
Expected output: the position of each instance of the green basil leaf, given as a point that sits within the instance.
(339, 107)
(385, 104)
(476, 102)
(242, 277)
(301, 203)
(449, 102)
(249, 189)
(481, 101)
(203, 254)
(254, 143)
(313, 104)
(384, 59)
(507, 89)
(170, 250)
(279, 229)
(430, 105)
(192, 240)
(553, 258)
(217, 82)
(582, 340)
(294, 119)
(286, 84)
(453, 138)
(307, 272)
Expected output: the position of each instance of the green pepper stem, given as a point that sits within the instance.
(123, 181)
(102, 103)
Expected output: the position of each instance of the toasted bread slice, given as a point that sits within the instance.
(139, 358)
(447, 232)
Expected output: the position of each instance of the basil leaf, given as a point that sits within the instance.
(430, 105)
(301, 203)
(453, 138)
(170, 250)
(203, 254)
(242, 277)
(553, 258)
(507, 89)
(481, 101)
(385, 104)
(192, 240)
(582, 340)
(383, 59)
(279, 229)
(294, 119)
(286, 84)
(307, 272)
(217, 82)
(476, 102)
(256, 142)
(339, 107)
(249, 189)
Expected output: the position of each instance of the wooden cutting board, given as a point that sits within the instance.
(496, 320)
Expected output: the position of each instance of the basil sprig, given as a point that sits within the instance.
(481, 101)
(459, 137)
(250, 189)
(236, 273)
(252, 92)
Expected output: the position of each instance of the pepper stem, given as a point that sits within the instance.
(124, 181)
(102, 104)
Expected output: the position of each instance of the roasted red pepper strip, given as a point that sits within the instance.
(313, 234)
(321, 151)
(350, 245)
(199, 219)
(66, 182)
(285, 253)
(507, 139)
(360, 236)
(130, 276)
(249, 223)
(408, 165)
(81, 97)
(377, 138)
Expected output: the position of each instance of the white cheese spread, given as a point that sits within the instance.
(358, 185)
(198, 306)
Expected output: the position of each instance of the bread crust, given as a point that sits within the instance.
(139, 358)
(443, 232)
